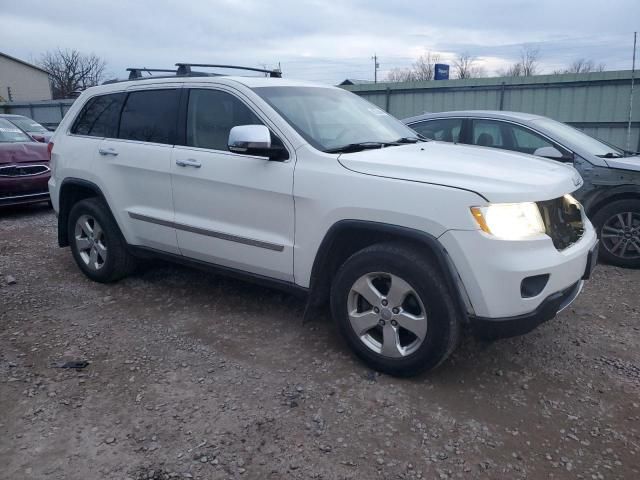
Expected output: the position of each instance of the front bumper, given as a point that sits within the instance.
(492, 328)
(492, 272)
(24, 199)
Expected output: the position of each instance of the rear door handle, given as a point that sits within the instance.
(189, 162)
(107, 151)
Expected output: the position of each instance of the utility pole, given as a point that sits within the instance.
(633, 73)
(376, 65)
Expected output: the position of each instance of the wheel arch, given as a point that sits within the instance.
(604, 196)
(72, 191)
(347, 237)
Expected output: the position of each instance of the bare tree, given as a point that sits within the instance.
(529, 60)
(526, 66)
(424, 67)
(400, 75)
(465, 66)
(582, 65)
(71, 70)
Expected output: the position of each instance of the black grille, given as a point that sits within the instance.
(563, 221)
(23, 170)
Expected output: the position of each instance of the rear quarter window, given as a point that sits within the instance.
(100, 115)
(150, 116)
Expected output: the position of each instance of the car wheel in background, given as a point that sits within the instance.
(618, 225)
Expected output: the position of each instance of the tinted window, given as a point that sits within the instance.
(487, 133)
(99, 117)
(211, 115)
(150, 116)
(445, 130)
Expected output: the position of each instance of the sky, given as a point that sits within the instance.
(322, 41)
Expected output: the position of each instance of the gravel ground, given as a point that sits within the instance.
(193, 375)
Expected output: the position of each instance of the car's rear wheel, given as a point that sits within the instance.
(97, 244)
(394, 311)
(618, 225)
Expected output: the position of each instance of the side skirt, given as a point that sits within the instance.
(287, 287)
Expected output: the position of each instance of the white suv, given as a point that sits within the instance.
(311, 188)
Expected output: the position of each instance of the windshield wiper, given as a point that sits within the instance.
(409, 140)
(356, 147)
(610, 155)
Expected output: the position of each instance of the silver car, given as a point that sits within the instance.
(611, 190)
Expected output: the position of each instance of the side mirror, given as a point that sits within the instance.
(254, 140)
(552, 153)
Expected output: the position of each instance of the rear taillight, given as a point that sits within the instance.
(49, 148)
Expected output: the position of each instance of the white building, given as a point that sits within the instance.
(20, 81)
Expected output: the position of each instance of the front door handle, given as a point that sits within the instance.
(107, 151)
(189, 162)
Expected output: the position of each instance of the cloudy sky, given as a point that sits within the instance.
(321, 40)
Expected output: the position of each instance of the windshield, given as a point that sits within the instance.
(331, 118)
(581, 139)
(10, 133)
(28, 125)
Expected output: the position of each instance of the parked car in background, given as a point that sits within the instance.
(611, 190)
(32, 128)
(315, 190)
(24, 167)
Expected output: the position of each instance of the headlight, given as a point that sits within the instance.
(510, 221)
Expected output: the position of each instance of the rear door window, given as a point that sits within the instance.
(150, 116)
(444, 130)
(99, 117)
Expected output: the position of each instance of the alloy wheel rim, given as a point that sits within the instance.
(90, 242)
(387, 314)
(621, 235)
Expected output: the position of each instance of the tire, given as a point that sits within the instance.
(92, 228)
(617, 222)
(413, 285)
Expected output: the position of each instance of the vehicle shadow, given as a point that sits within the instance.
(16, 212)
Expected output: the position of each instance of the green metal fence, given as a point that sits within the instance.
(597, 102)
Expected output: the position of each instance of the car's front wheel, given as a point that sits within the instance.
(618, 225)
(394, 311)
(97, 245)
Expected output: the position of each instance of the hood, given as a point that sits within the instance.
(625, 163)
(23, 152)
(497, 175)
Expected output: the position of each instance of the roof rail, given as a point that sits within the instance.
(136, 72)
(184, 69)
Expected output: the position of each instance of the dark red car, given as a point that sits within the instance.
(24, 167)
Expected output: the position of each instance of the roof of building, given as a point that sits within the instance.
(355, 81)
(23, 62)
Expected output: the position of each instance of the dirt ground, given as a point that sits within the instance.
(193, 375)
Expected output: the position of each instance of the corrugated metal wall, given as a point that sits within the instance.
(597, 102)
(48, 112)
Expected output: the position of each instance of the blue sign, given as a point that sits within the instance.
(441, 72)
